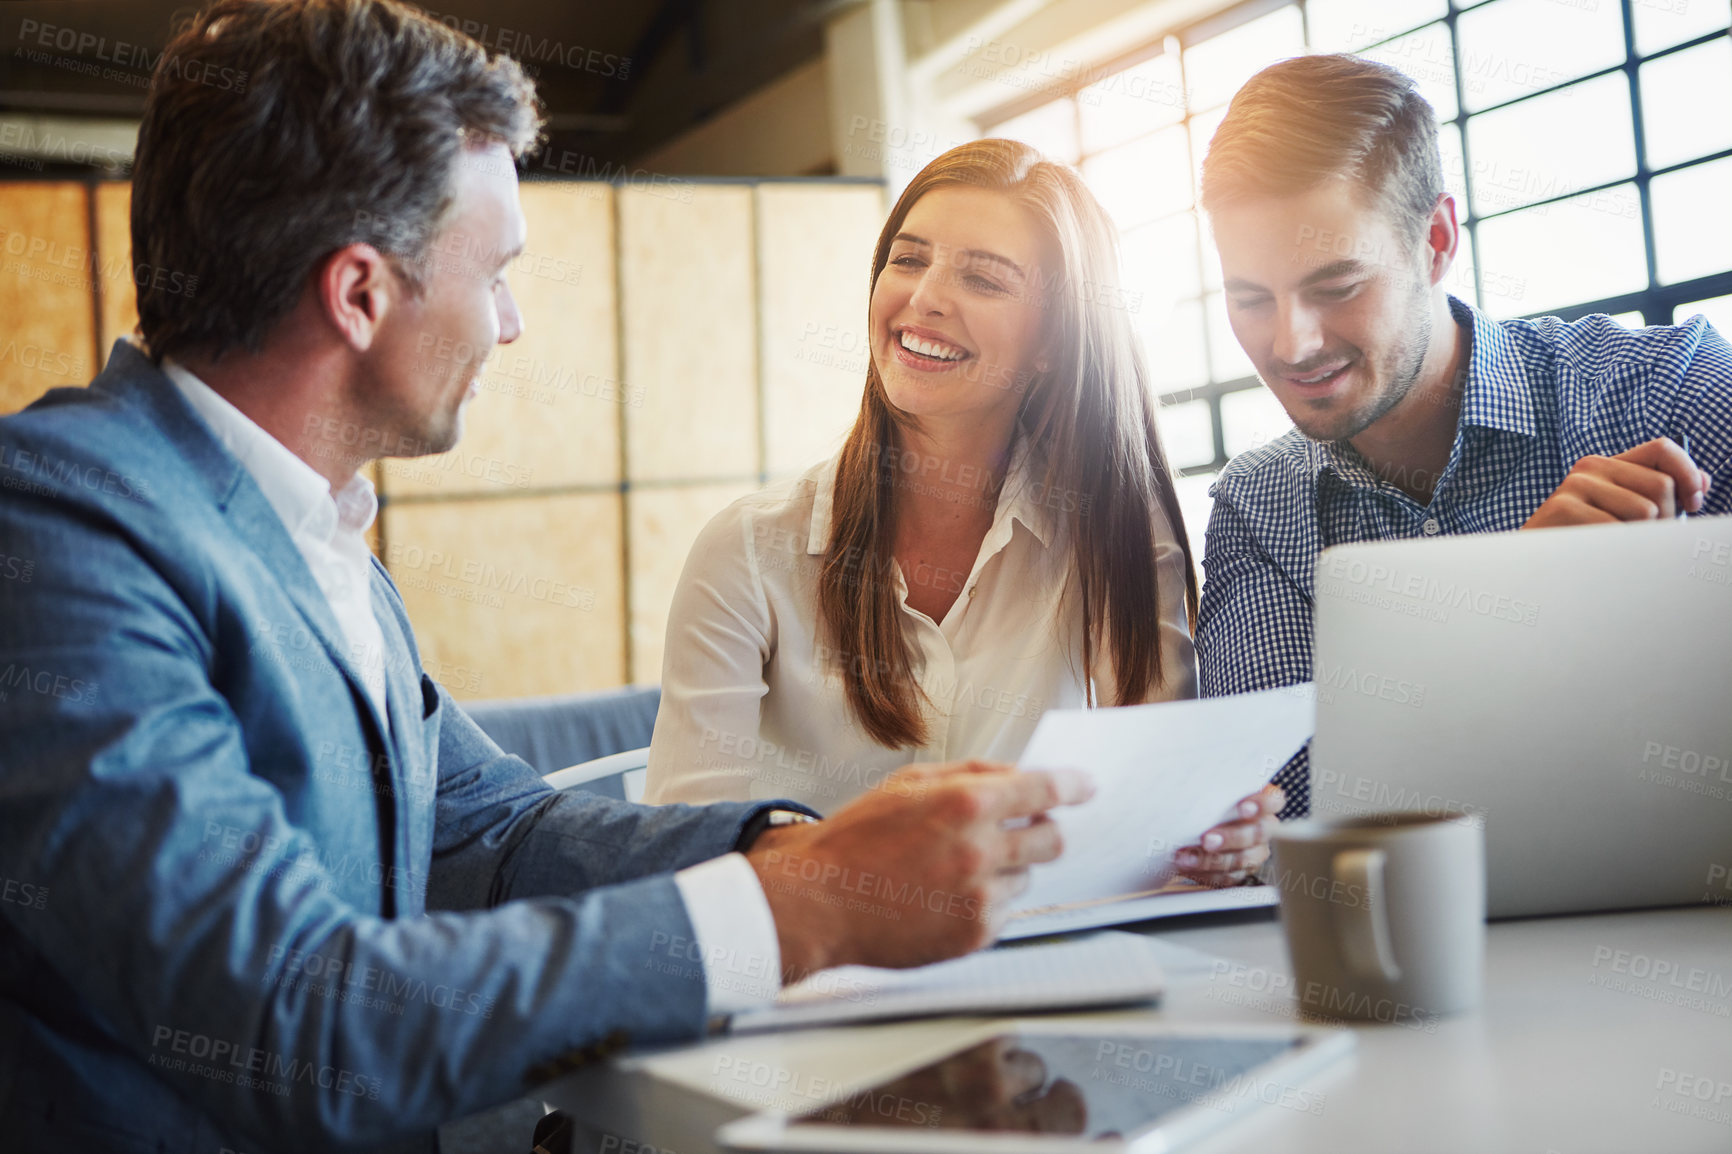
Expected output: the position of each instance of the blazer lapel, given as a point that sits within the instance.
(131, 374)
(131, 377)
(257, 525)
(414, 751)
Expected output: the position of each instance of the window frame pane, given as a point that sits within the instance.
(1192, 314)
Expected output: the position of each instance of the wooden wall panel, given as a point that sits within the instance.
(525, 592)
(814, 263)
(662, 523)
(690, 324)
(114, 242)
(48, 334)
(513, 596)
(548, 413)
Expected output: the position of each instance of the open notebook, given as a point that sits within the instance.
(1105, 969)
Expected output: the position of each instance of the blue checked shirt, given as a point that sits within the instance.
(1537, 397)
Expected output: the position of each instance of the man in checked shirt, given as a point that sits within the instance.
(1416, 414)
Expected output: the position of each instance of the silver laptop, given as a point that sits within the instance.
(1574, 686)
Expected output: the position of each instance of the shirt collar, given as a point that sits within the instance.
(1495, 394)
(1023, 497)
(302, 498)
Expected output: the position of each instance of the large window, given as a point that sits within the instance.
(1588, 144)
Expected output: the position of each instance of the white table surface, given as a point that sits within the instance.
(1602, 1033)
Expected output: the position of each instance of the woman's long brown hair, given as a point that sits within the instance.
(1091, 416)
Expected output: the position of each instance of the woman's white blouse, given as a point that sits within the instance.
(753, 705)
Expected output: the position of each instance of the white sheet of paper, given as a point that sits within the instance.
(1163, 774)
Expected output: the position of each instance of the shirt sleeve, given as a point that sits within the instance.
(1253, 630)
(1254, 624)
(734, 933)
(1702, 400)
(719, 638)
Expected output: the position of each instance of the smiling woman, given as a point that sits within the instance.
(998, 536)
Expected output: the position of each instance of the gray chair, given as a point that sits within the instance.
(551, 733)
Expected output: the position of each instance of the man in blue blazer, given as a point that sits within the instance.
(266, 887)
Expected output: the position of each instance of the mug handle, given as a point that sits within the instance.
(1364, 928)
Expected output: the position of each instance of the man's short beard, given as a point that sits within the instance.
(442, 438)
(406, 433)
(1400, 382)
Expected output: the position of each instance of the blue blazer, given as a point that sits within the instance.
(236, 909)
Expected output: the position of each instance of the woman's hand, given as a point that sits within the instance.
(1229, 852)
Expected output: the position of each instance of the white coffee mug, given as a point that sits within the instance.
(1384, 914)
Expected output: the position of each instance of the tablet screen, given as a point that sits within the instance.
(1097, 1086)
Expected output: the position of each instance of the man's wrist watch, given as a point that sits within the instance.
(769, 819)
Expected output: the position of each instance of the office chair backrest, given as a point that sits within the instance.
(618, 775)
